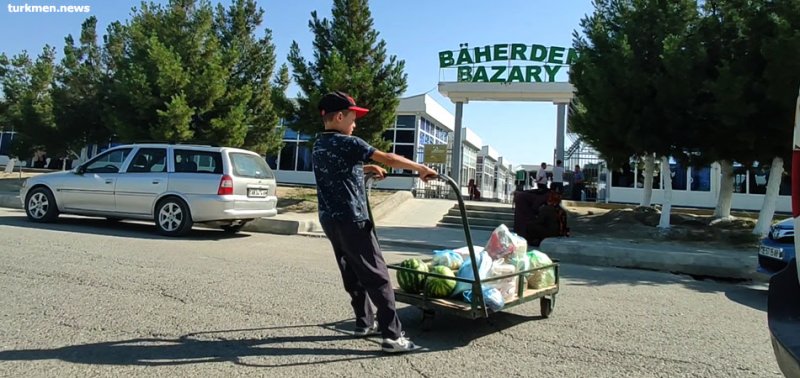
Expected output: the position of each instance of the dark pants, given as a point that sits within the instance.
(558, 187)
(364, 274)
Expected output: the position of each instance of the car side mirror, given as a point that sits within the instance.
(80, 170)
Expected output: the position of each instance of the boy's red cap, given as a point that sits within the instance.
(338, 101)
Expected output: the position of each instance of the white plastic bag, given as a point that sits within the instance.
(503, 242)
(507, 286)
(464, 251)
(484, 267)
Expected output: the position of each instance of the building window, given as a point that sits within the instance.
(700, 179)
(404, 136)
(678, 176)
(406, 151)
(288, 157)
(406, 121)
(295, 154)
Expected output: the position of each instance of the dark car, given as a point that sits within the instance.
(777, 249)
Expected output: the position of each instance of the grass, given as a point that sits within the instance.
(304, 199)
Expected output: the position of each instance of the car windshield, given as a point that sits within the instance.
(249, 165)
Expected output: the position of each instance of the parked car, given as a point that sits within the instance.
(174, 185)
(777, 249)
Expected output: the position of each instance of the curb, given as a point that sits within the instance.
(10, 200)
(716, 264)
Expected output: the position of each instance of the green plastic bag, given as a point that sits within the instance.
(543, 278)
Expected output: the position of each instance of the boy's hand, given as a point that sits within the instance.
(426, 173)
(376, 170)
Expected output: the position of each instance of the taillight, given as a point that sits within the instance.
(225, 186)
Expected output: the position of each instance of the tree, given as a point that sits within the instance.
(26, 85)
(78, 91)
(633, 79)
(348, 57)
(779, 22)
(186, 72)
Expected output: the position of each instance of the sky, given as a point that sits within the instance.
(414, 30)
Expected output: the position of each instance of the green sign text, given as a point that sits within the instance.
(471, 66)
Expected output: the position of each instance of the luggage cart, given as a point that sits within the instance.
(477, 308)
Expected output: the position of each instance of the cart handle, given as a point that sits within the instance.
(477, 289)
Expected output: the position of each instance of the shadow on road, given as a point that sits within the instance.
(335, 344)
(102, 226)
(744, 294)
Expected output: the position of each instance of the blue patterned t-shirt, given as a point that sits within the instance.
(339, 169)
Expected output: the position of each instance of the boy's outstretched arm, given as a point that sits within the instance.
(400, 162)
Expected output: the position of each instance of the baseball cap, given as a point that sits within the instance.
(338, 101)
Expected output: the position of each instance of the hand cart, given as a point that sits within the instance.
(477, 308)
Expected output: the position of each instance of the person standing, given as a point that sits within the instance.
(558, 177)
(579, 183)
(541, 177)
(338, 159)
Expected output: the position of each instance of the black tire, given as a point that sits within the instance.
(172, 217)
(547, 307)
(232, 228)
(40, 205)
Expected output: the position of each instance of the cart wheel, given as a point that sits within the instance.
(427, 320)
(547, 307)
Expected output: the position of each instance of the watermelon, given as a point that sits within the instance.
(412, 282)
(440, 287)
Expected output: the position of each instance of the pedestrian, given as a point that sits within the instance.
(541, 177)
(338, 158)
(577, 191)
(558, 177)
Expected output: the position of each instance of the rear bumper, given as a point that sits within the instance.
(219, 208)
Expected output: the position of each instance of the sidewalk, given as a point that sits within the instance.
(412, 226)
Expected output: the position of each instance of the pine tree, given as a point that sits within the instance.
(349, 57)
(26, 86)
(187, 72)
(78, 91)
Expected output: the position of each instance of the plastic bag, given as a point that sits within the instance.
(507, 286)
(448, 258)
(520, 263)
(491, 296)
(484, 267)
(503, 242)
(464, 251)
(541, 278)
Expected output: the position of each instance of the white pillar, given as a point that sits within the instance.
(458, 146)
(561, 113)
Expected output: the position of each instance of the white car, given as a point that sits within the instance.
(174, 185)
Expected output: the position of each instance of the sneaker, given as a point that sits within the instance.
(366, 331)
(399, 345)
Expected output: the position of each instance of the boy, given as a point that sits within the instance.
(339, 169)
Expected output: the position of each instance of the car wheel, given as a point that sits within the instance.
(40, 205)
(173, 217)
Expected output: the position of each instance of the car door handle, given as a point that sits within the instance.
(156, 182)
(109, 181)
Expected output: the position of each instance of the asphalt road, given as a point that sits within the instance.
(87, 298)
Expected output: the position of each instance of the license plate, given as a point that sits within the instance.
(771, 252)
(257, 192)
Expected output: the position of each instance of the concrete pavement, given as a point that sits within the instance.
(85, 298)
(406, 222)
